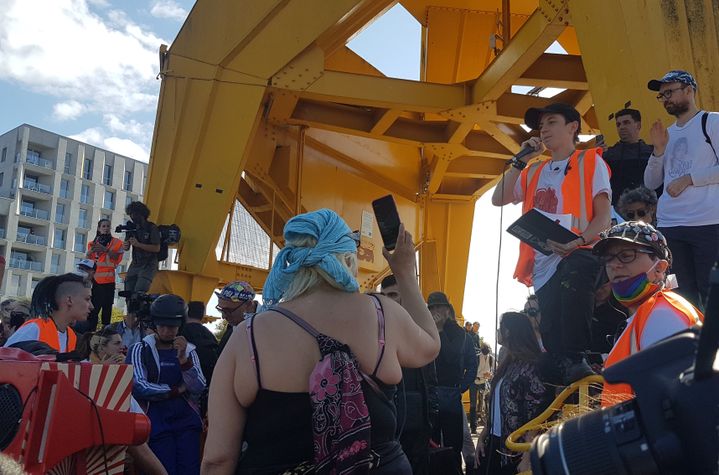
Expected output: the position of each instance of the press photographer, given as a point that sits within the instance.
(144, 238)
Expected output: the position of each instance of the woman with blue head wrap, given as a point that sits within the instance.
(260, 387)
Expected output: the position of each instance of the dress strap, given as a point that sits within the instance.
(253, 349)
(380, 332)
(298, 320)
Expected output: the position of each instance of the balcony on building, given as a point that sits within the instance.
(31, 238)
(29, 210)
(38, 186)
(25, 261)
(35, 159)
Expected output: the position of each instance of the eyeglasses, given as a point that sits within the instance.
(663, 96)
(625, 257)
(640, 213)
(229, 311)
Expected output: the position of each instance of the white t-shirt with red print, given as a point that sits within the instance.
(548, 199)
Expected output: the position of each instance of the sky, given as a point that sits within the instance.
(88, 69)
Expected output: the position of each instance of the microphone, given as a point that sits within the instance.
(521, 154)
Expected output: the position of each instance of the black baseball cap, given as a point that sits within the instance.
(534, 114)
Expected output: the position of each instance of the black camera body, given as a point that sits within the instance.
(669, 428)
(139, 303)
(130, 229)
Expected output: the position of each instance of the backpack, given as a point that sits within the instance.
(170, 234)
(705, 117)
(340, 416)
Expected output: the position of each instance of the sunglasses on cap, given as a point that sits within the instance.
(640, 213)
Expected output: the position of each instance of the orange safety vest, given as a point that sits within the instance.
(105, 272)
(577, 200)
(630, 340)
(49, 333)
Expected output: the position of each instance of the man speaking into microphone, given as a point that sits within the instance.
(572, 188)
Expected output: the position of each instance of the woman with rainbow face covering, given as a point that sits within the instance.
(636, 258)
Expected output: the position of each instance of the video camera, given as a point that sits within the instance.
(669, 428)
(130, 229)
(139, 303)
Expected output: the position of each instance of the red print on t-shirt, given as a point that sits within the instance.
(545, 199)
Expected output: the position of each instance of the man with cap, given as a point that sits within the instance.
(456, 367)
(636, 258)
(234, 301)
(168, 383)
(572, 188)
(685, 159)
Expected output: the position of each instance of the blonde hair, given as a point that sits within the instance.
(307, 278)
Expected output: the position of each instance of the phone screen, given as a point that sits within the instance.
(385, 211)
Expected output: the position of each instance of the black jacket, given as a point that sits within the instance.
(457, 361)
(206, 346)
(627, 162)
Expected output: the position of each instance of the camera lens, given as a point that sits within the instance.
(606, 442)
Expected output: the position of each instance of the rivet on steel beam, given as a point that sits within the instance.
(219, 190)
(198, 185)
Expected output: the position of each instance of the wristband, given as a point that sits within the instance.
(518, 164)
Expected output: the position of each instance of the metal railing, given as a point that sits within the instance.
(85, 199)
(39, 187)
(58, 244)
(31, 239)
(2, 233)
(37, 160)
(84, 223)
(35, 213)
(80, 247)
(60, 219)
(25, 264)
(64, 193)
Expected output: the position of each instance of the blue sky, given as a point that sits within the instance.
(86, 68)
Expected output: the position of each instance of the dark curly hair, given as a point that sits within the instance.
(640, 194)
(137, 207)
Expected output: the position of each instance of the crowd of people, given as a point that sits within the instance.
(323, 378)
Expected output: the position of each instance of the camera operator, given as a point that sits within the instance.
(145, 243)
(637, 257)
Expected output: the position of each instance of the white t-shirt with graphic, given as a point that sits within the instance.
(548, 199)
(688, 153)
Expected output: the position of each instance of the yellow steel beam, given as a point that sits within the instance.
(361, 16)
(555, 70)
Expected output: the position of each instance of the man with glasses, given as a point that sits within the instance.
(636, 258)
(685, 160)
(234, 301)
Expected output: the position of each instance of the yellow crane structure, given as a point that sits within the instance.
(263, 106)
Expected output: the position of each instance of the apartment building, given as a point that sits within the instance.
(53, 191)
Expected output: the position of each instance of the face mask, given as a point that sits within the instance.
(633, 291)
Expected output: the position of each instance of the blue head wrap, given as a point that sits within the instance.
(333, 237)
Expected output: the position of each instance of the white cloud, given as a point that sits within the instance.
(99, 3)
(168, 9)
(123, 146)
(72, 53)
(68, 110)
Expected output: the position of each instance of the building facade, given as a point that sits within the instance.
(53, 191)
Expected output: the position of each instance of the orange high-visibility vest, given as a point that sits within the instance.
(48, 333)
(105, 272)
(630, 340)
(577, 200)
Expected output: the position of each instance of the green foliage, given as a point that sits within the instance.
(117, 315)
(221, 329)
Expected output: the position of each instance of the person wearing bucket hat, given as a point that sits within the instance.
(685, 160)
(636, 258)
(572, 188)
(234, 301)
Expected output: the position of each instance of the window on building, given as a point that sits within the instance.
(87, 169)
(59, 239)
(60, 213)
(68, 162)
(128, 180)
(109, 200)
(34, 283)
(3, 157)
(82, 220)
(107, 175)
(2, 178)
(128, 200)
(14, 183)
(64, 188)
(80, 242)
(85, 194)
(15, 284)
(55, 264)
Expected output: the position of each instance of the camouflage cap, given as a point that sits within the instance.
(237, 291)
(675, 75)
